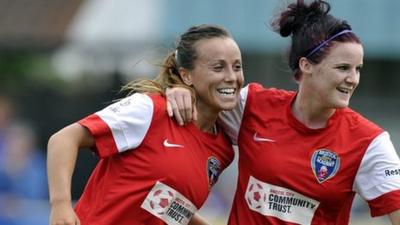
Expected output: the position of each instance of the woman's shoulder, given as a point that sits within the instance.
(358, 123)
(154, 105)
(159, 104)
(258, 93)
(257, 88)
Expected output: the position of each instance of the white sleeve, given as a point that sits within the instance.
(129, 120)
(379, 172)
(232, 119)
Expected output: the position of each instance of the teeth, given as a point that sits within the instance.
(226, 91)
(344, 90)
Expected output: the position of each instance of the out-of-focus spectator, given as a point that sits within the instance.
(6, 111)
(23, 183)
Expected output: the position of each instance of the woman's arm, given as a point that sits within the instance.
(180, 105)
(395, 217)
(62, 153)
(197, 220)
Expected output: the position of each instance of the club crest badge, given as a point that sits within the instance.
(213, 170)
(325, 164)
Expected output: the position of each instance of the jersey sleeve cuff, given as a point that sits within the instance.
(385, 203)
(103, 138)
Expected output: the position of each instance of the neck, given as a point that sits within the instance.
(206, 118)
(310, 112)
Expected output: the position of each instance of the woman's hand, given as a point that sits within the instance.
(62, 213)
(179, 105)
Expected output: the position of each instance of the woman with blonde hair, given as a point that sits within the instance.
(152, 171)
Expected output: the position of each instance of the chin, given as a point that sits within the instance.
(228, 106)
(341, 105)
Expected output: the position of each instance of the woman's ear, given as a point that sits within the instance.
(305, 66)
(186, 76)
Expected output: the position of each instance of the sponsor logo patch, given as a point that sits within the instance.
(169, 205)
(213, 170)
(393, 172)
(325, 164)
(279, 202)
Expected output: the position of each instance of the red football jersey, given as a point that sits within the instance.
(290, 174)
(151, 171)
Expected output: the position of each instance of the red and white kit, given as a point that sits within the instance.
(290, 174)
(151, 171)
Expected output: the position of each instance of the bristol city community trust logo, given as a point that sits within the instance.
(256, 195)
(325, 163)
(160, 200)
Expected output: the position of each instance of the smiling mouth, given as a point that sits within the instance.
(226, 91)
(344, 90)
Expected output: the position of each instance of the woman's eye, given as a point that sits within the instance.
(218, 68)
(342, 67)
(238, 67)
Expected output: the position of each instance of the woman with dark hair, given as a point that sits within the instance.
(304, 155)
(152, 171)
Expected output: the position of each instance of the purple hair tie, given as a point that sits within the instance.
(327, 41)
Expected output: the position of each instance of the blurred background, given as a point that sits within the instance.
(62, 60)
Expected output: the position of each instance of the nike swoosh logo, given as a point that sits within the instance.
(170, 145)
(257, 138)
